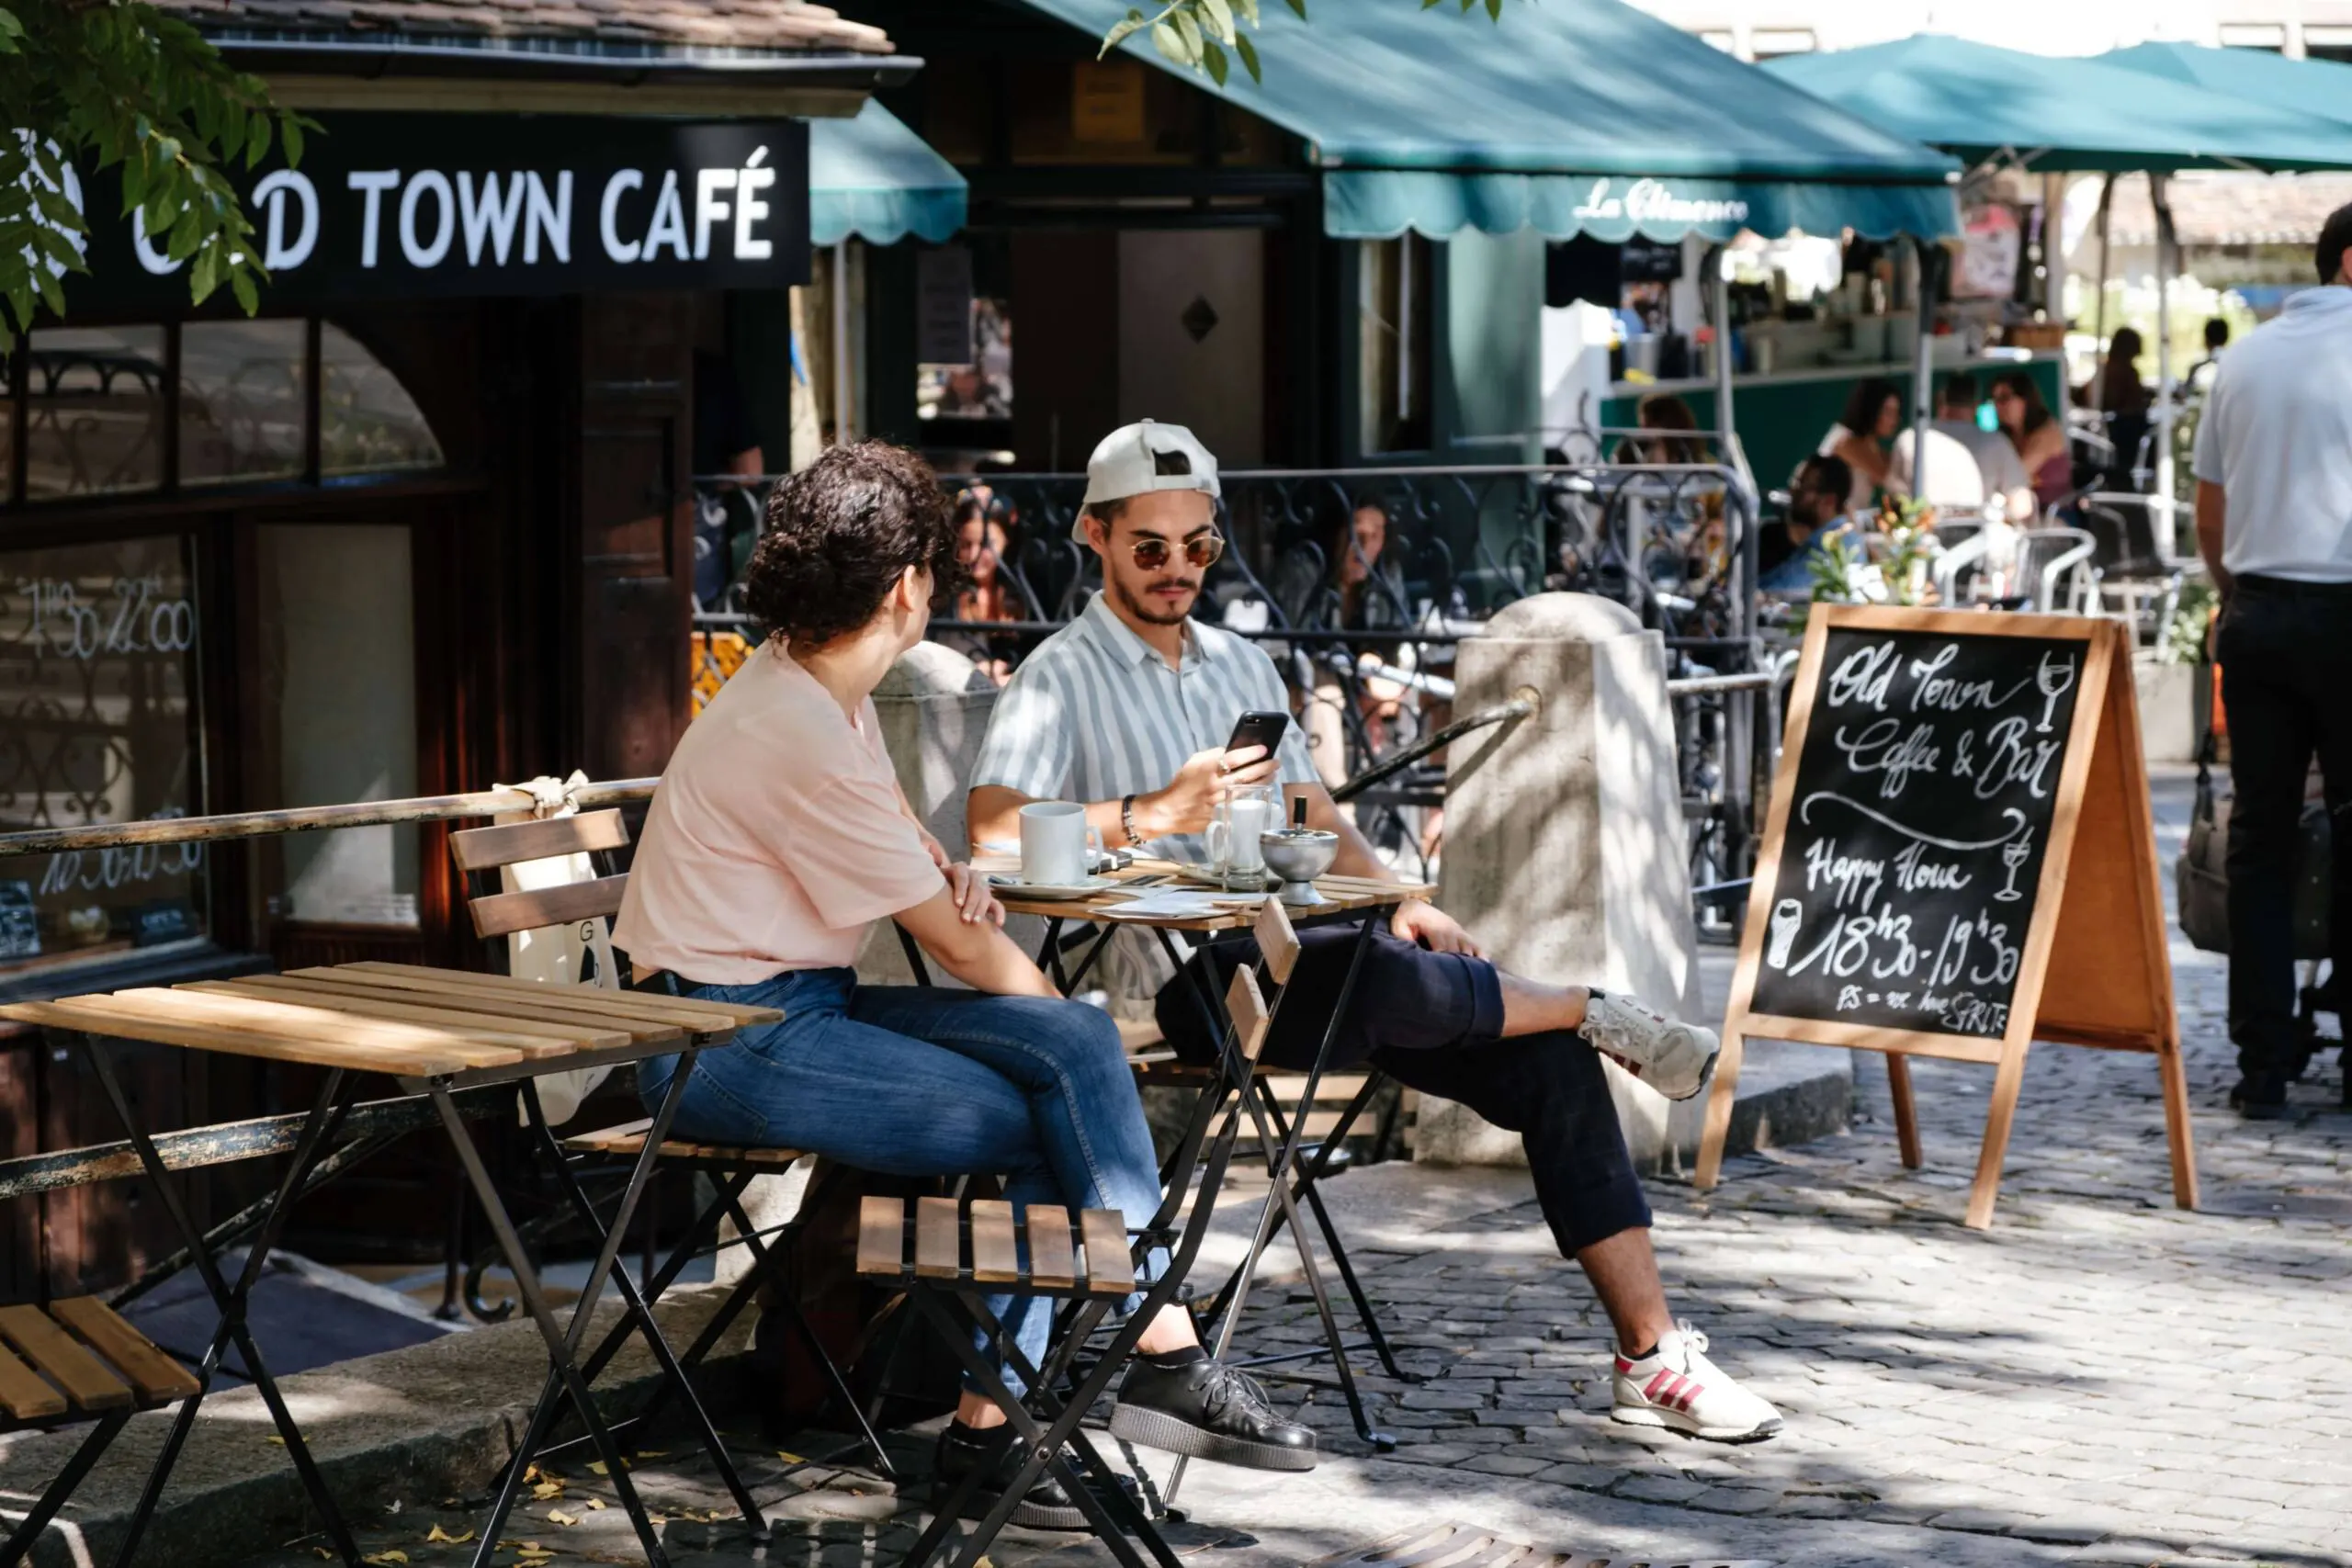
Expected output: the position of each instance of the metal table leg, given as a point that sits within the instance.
(326, 1113)
(637, 1310)
(1279, 1153)
(1308, 1187)
(563, 1342)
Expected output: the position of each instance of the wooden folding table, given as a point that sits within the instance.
(439, 1033)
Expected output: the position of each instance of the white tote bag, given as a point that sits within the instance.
(558, 956)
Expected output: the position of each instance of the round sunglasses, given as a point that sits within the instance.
(1201, 551)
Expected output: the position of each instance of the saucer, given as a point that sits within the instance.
(1014, 887)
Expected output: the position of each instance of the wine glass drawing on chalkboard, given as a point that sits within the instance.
(2052, 679)
(1787, 915)
(2014, 854)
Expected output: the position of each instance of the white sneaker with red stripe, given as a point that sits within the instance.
(1671, 1056)
(1677, 1387)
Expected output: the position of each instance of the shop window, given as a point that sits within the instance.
(94, 414)
(1772, 44)
(243, 401)
(252, 405)
(2269, 37)
(956, 109)
(367, 422)
(1112, 111)
(338, 657)
(964, 339)
(1393, 321)
(98, 725)
(2326, 43)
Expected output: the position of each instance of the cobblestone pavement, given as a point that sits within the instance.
(2100, 1378)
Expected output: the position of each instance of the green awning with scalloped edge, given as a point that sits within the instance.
(1568, 117)
(873, 178)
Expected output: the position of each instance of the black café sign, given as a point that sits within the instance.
(400, 206)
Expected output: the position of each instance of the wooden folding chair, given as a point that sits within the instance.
(592, 904)
(949, 1255)
(75, 1362)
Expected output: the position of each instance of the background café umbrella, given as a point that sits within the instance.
(2053, 115)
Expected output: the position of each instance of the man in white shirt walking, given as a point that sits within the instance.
(2273, 524)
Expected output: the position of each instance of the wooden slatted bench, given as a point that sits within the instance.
(77, 1362)
(974, 1242)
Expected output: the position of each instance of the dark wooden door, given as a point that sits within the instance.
(635, 511)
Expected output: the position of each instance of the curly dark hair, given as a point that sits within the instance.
(840, 532)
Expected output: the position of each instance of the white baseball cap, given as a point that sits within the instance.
(1134, 460)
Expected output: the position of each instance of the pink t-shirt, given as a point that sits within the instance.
(774, 838)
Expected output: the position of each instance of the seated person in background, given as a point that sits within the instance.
(1997, 459)
(2121, 394)
(980, 543)
(1816, 504)
(777, 835)
(2124, 402)
(1361, 588)
(1128, 709)
(1664, 411)
(2036, 435)
(1966, 465)
(1858, 439)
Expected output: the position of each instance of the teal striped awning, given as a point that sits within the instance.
(872, 178)
(1567, 116)
(2320, 88)
(2074, 116)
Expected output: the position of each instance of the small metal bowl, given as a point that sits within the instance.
(1299, 855)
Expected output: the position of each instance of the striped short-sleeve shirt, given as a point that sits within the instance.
(1096, 714)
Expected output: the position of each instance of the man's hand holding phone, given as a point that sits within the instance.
(1190, 799)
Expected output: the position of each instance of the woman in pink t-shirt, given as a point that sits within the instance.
(778, 835)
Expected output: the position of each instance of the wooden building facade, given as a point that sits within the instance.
(422, 525)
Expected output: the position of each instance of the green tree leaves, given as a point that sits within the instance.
(117, 85)
(1206, 35)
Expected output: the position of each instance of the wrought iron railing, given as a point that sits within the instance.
(1364, 625)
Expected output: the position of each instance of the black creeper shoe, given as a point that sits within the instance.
(1045, 1507)
(1211, 1411)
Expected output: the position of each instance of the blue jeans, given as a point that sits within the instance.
(916, 1081)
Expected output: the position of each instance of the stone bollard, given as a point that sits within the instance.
(1565, 846)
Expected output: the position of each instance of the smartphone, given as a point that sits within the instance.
(1259, 729)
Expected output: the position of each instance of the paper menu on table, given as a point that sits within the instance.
(1170, 904)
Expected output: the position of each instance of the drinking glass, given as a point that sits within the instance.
(1242, 814)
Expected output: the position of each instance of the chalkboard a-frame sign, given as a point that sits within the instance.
(1960, 859)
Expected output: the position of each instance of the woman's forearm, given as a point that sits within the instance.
(975, 951)
(995, 966)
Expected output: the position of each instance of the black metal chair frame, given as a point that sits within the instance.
(729, 1178)
(1113, 1514)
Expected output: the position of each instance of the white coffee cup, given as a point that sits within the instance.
(1052, 843)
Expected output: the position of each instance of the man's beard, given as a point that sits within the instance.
(1148, 613)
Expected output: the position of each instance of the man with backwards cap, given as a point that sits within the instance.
(1128, 708)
